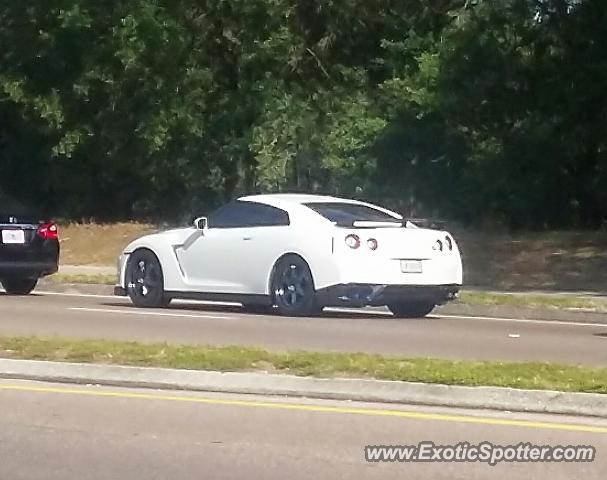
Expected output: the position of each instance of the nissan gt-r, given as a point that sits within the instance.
(297, 254)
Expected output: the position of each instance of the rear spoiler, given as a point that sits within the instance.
(428, 223)
(406, 222)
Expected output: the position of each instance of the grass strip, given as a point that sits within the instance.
(541, 376)
(533, 301)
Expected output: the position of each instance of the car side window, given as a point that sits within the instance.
(242, 214)
(231, 215)
(267, 216)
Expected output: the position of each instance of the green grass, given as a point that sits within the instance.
(543, 376)
(96, 279)
(533, 301)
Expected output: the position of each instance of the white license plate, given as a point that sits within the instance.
(411, 266)
(16, 237)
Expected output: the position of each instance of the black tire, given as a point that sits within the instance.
(292, 288)
(19, 286)
(145, 280)
(412, 309)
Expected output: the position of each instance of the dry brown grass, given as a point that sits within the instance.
(558, 261)
(97, 244)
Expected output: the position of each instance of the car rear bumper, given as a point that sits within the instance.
(38, 259)
(30, 269)
(360, 295)
(433, 272)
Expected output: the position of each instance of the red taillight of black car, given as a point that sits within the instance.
(48, 231)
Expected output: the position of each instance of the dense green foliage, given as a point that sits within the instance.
(476, 110)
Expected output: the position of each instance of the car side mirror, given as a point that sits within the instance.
(201, 223)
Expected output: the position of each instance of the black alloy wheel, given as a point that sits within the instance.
(293, 288)
(144, 280)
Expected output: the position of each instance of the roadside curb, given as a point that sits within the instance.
(48, 286)
(379, 391)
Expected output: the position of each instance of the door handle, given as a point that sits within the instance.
(246, 239)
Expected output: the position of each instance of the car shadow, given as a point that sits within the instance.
(184, 307)
(327, 314)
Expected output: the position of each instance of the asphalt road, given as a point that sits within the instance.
(76, 432)
(78, 316)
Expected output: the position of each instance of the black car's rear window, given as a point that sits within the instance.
(348, 213)
(10, 206)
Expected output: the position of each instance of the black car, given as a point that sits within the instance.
(29, 248)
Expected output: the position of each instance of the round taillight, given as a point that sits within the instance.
(372, 244)
(353, 241)
(449, 243)
(438, 245)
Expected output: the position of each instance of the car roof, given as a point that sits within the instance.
(290, 198)
(294, 198)
(288, 201)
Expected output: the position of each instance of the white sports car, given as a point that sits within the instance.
(297, 253)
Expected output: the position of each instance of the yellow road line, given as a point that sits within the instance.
(313, 408)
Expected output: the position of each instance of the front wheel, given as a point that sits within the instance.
(144, 280)
(19, 286)
(293, 288)
(412, 309)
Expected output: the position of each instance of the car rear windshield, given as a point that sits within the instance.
(347, 214)
(10, 206)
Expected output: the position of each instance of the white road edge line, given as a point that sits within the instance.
(531, 320)
(149, 313)
(345, 310)
(491, 319)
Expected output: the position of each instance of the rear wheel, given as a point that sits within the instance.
(411, 309)
(144, 280)
(19, 286)
(293, 288)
